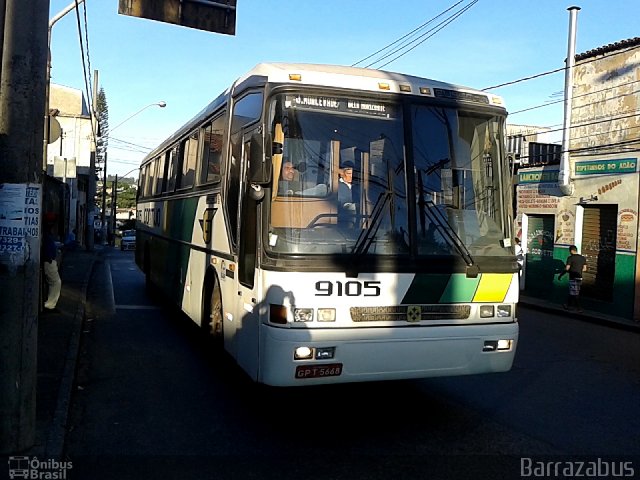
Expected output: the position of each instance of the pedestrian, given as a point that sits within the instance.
(70, 242)
(519, 254)
(50, 267)
(520, 259)
(575, 266)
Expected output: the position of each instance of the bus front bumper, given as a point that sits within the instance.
(376, 354)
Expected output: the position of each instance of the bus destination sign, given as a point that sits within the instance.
(341, 105)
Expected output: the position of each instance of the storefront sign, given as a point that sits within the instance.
(627, 228)
(606, 167)
(538, 176)
(538, 197)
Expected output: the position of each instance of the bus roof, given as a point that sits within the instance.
(355, 78)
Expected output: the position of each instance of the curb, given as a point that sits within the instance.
(587, 316)
(54, 443)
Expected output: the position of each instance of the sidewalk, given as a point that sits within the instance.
(58, 343)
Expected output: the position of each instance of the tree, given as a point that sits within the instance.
(102, 115)
(103, 122)
(126, 195)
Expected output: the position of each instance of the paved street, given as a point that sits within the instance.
(153, 398)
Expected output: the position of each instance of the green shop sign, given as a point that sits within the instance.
(538, 176)
(607, 167)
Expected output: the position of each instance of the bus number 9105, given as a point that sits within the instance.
(351, 288)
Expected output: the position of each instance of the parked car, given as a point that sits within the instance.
(128, 240)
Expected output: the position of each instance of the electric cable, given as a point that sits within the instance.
(408, 34)
(531, 77)
(433, 31)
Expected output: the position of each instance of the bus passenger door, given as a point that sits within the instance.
(247, 328)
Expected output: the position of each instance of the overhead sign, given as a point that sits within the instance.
(212, 16)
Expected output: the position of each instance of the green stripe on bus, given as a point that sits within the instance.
(181, 216)
(460, 289)
(426, 288)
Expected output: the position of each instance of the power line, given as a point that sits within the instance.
(586, 124)
(581, 95)
(86, 36)
(524, 79)
(133, 147)
(84, 69)
(408, 34)
(444, 24)
(407, 43)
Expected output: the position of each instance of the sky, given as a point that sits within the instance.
(141, 62)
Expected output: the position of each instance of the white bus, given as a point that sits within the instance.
(415, 276)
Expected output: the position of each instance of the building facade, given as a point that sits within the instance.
(69, 155)
(600, 214)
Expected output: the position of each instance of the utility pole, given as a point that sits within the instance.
(22, 108)
(91, 189)
(104, 199)
(114, 204)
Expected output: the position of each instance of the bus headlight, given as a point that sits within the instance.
(326, 314)
(303, 314)
(486, 311)
(302, 353)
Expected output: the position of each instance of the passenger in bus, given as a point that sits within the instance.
(345, 185)
(346, 203)
(289, 182)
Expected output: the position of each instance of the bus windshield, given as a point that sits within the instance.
(341, 179)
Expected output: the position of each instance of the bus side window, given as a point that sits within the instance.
(212, 151)
(172, 175)
(148, 179)
(189, 156)
(141, 181)
(160, 174)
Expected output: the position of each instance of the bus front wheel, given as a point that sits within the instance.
(212, 320)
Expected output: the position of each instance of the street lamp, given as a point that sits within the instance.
(160, 104)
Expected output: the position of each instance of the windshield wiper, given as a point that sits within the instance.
(454, 239)
(366, 237)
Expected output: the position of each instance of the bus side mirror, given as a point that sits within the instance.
(259, 163)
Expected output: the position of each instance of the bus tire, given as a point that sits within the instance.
(212, 315)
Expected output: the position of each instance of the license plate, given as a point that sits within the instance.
(316, 371)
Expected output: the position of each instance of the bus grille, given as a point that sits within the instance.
(410, 313)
